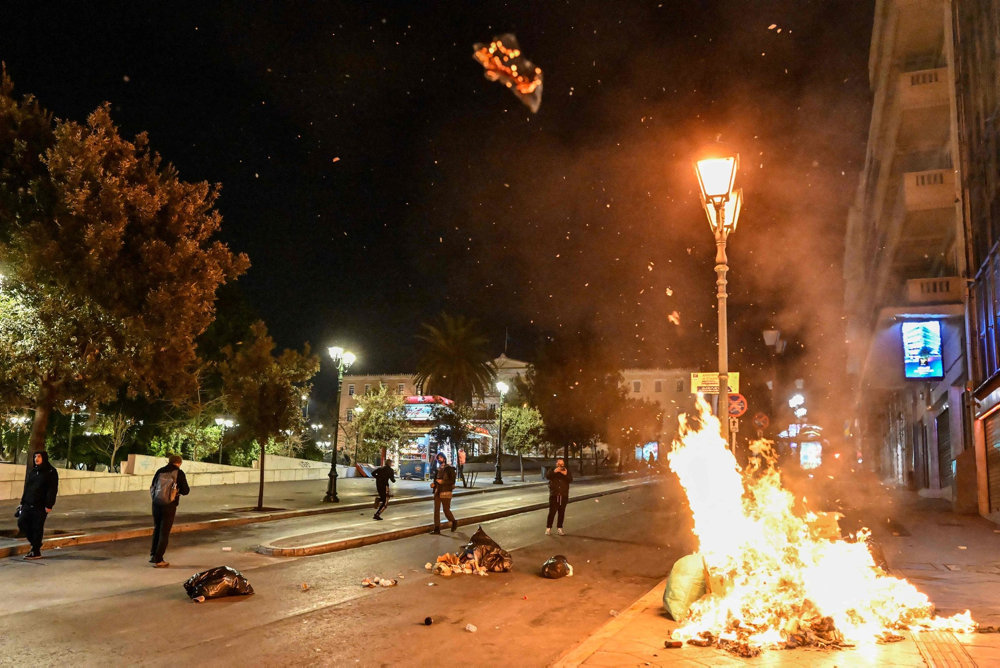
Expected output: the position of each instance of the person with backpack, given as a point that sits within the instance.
(40, 488)
(169, 483)
(383, 475)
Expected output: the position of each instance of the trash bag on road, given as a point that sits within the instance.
(556, 567)
(485, 551)
(217, 582)
(685, 585)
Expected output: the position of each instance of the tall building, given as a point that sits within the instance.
(977, 51)
(905, 261)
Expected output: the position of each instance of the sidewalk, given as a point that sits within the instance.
(954, 559)
(91, 518)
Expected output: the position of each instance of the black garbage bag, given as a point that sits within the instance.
(556, 567)
(484, 550)
(217, 582)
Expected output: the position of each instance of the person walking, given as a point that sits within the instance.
(559, 480)
(40, 489)
(169, 484)
(383, 475)
(443, 485)
(461, 466)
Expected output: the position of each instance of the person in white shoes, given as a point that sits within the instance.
(559, 480)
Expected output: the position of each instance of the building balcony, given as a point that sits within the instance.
(923, 88)
(944, 290)
(930, 189)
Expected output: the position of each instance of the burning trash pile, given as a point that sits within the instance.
(481, 555)
(772, 581)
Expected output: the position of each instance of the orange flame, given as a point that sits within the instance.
(770, 576)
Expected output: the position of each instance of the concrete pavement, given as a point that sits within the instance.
(954, 559)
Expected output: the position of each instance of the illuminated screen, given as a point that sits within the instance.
(922, 349)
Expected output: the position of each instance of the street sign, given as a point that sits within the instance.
(734, 424)
(737, 404)
(708, 383)
(761, 421)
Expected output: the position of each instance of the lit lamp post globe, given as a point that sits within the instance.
(716, 176)
(502, 388)
(343, 359)
(223, 424)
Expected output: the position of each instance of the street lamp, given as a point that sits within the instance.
(224, 424)
(716, 176)
(343, 359)
(502, 388)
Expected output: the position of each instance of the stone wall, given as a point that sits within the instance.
(137, 474)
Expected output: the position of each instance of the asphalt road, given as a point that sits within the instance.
(103, 603)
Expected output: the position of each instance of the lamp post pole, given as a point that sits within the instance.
(502, 387)
(721, 268)
(343, 360)
(716, 176)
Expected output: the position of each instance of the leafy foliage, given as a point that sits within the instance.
(454, 426)
(455, 362)
(380, 424)
(523, 429)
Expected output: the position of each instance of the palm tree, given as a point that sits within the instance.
(454, 362)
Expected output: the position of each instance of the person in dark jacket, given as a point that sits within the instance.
(559, 480)
(40, 489)
(383, 475)
(164, 513)
(444, 483)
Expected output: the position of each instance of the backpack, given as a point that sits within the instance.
(164, 488)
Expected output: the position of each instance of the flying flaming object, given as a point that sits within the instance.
(502, 61)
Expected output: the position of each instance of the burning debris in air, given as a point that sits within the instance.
(502, 61)
(773, 580)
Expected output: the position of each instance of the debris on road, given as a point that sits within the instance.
(227, 549)
(216, 583)
(480, 556)
(471, 628)
(305, 587)
(428, 621)
(556, 567)
(378, 582)
(673, 644)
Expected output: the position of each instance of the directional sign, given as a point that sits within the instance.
(734, 424)
(737, 404)
(761, 421)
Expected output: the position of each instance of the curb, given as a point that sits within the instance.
(127, 534)
(370, 539)
(590, 645)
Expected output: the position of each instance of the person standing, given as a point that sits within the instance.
(443, 485)
(383, 475)
(559, 480)
(40, 489)
(169, 483)
(461, 466)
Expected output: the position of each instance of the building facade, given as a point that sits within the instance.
(976, 29)
(905, 261)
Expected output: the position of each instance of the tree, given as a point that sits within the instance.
(635, 423)
(112, 432)
(454, 362)
(380, 425)
(576, 385)
(264, 391)
(109, 261)
(523, 431)
(453, 426)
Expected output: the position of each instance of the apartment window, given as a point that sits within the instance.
(401, 388)
(658, 386)
(350, 390)
(680, 384)
(350, 415)
(368, 388)
(636, 385)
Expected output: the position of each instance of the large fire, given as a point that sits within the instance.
(773, 582)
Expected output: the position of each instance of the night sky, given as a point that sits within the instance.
(376, 178)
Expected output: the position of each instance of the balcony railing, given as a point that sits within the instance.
(923, 88)
(944, 290)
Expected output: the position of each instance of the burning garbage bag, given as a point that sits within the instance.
(483, 550)
(216, 583)
(685, 585)
(556, 567)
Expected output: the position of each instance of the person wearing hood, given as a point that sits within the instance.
(443, 485)
(40, 488)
